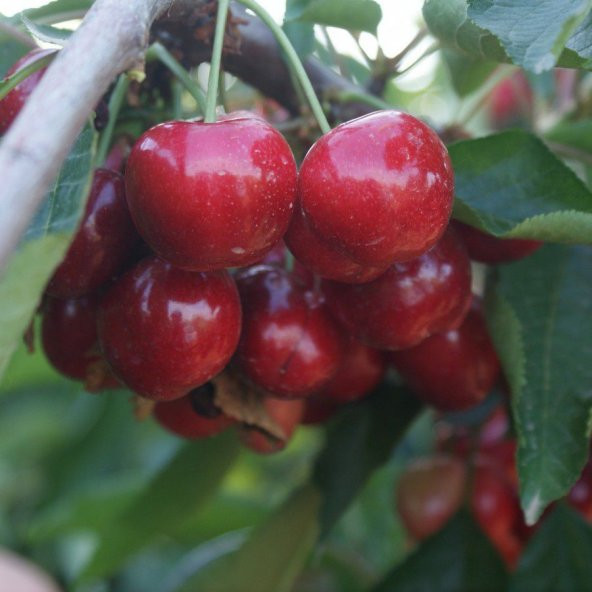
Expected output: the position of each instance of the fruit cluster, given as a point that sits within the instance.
(181, 275)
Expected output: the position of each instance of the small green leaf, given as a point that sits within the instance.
(46, 33)
(577, 134)
(467, 73)
(10, 51)
(459, 557)
(540, 313)
(557, 559)
(58, 8)
(511, 185)
(302, 37)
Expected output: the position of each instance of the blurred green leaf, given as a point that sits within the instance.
(511, 185)
(577, 134)
(540, 313)
(301, 36)
(46, 33)
(466, 73)
(59, 8)
(10, 51)
(557, 559)
(458, 558)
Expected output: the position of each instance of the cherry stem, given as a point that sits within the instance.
(214, 77)
(293, 62)
(9, 83)
(115, 102)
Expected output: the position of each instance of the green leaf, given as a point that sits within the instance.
(533, 32)
(540, 313)
(459, 557)
(302, 37)
(357, 444)
(59, 9)
(10, 51)
(557, 559)
(577, 134)
(46, 33)
(181, 488)
(511, 185)
(466, 73)
(44, 244)
(355, 15)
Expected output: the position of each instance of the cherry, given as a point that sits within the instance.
(410, 301)
(490, 249)
(69, 340)
(166, 331)
(287, 414)
(580, 495)
(289, 345)
(103, 244)
(429, 493)
(118, 154)
(206, 196)
(13, 102)
(452, 370)
(194, 415)
(318, 410)
(378, 189)
(511, 101)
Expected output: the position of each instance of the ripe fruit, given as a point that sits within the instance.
(511, 101)
(166, 331)
(410, 301)
(206, 196)
(452, 370)
(318, 410)
(378, 189)
(580, 495)
(194, 415)
(69, 339)
(289, 345)
(490, 249)
(103, 244)
(13, 102)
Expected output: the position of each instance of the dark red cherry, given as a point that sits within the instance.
(104, 243)
(289, 345)
(211, 195)
(166, 331)
(490, 249)
(69, 339)
(580, 495)
(511, 102)
(378, 189)
(410, 301)
(194, 415)
(452, 370)
(118, 154)
(318, 410)
(13, 102)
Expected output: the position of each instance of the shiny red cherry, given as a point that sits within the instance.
(511, 102)
(166, 331)
(104, 242)
(206, 196)
(13, 102)
(378, 189)
(490, 249)
(289, 345)
(452, 370)
(69, 340)
(410, 301)
(194, 415)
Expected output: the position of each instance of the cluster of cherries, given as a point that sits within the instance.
(183, 269)
(476, 467)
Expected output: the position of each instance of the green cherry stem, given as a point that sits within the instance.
(214, 77)
(293, 62)
(7, 84)
(115, 102)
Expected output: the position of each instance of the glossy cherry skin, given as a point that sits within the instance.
(409, 302)
(490, 249)
(70, 342)
(206, 196)
(103, 244)
(287, 414)
(452, 370)
(379, 188)
(429, 493)
(511, 101)
(289, 345)
(320, 258)
(13, 102)
(166, 331)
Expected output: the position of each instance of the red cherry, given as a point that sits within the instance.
(410, 301)
(429, 493)
(289, 345)
(490, 249)
(322, 259)
(452, 370)
(287, 414)
(318, 410)
(211, 195)
(118, 154)
(361, 369)
(378, 189)
(103, 244)
(511, 101)
(193, 416)
(69, 339)
(166, 331)
(580, 495)
(13, 102)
